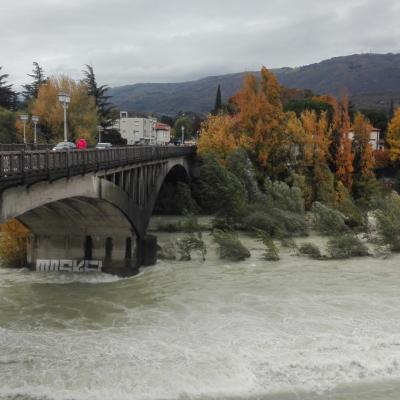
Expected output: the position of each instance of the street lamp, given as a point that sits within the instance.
(24, 118)
(64, 98)
(183, 134)
(35, 120)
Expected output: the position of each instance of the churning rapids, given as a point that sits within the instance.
(293, 329)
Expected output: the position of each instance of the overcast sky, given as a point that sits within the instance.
(131, 41)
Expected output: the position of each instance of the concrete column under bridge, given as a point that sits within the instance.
(77, 253)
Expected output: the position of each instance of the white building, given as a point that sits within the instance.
(374, 138)
(163, 133)
(142, 130)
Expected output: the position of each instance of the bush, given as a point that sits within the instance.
(310, 250)
(240, 165)
(13, 239)
(230, 247)
(346, 246)
(218, 190)
(304, 183)
(271, 252)
(281, 196)
(346, 206)
(388, 221)
(327, 220)
(275, 222)
(188, 244)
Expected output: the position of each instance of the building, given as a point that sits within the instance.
(136, 130)
(142, 130)
(163, 133)
(374, 138)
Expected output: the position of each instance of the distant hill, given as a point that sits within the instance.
(371, 81)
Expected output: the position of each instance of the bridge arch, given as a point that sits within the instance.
(64, 213)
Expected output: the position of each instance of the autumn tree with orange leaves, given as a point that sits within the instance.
(344, 156)
(363, 152)
(261, 118)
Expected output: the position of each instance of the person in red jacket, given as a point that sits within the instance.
(81, 144)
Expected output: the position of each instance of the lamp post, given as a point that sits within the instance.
(24, 118)
(64, 98)
(183, 134)
(35, 120)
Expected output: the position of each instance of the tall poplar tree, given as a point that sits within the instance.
(344, 156)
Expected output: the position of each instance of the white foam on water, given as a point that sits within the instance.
(195, 330)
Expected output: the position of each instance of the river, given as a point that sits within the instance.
(293, 329)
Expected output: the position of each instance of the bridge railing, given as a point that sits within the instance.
(14, 164)
(26, 147)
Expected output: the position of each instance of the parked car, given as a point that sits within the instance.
(103, 146)
(64, 146)
(81, 144)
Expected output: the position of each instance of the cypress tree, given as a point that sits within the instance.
(218, 101)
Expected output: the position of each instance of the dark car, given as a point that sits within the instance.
(62, 146)
(103, 146)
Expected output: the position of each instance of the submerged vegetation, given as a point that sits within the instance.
(230, 247)
(283, 174)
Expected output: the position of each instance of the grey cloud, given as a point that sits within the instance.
(142, 41)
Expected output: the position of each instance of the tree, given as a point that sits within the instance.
(377, 118)
(31, 90)
(7, 126)
(344, 155)
(8, 98)
(186, 122)
(82, 113)
(363, 153)
(261, 118)
(104, 108)
(219, 136)
(218, 102)
(393, 136)
(318, 139)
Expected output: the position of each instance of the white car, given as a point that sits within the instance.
(103, 146)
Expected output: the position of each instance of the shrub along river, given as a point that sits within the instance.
(292, 329)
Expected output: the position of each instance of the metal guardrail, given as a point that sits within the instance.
(17, 165)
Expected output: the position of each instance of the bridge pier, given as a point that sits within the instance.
(77, 253)
(147, 250)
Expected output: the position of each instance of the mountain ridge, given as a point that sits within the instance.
(371, 81)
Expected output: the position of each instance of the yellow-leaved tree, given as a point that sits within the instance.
(344, 154)
(82, 117)
(364, 161)
(393, 136)
(219, 135)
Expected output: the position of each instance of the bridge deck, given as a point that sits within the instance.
(26, 167)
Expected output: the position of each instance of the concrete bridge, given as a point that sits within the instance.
(89, 209)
